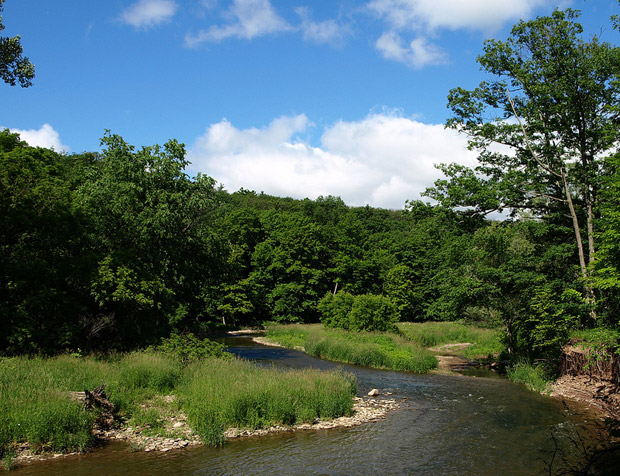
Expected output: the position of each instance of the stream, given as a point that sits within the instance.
(445, 425)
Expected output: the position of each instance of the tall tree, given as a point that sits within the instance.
(552, 107)
(14, 66)
(150, 240)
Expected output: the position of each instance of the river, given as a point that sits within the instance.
(445, 425)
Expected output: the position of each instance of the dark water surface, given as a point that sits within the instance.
(446, 425)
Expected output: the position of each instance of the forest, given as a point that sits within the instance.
(117, 249)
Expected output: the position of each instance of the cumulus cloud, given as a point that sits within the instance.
(486, 15)
(327, 31)
(417, 54)
(382, 160)
(46, 137)
(427, 17)
(148, 13)
(247, 19)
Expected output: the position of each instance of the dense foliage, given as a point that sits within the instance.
(366, 312)
(121, 248)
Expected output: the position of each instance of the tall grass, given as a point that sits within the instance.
(36, 406)
(140, 376)
(221, 394)
(534, 377)
(484, 341)
(369, 349)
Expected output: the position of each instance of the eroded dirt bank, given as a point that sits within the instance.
(591, 378)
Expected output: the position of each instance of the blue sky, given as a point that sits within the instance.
(294, 98)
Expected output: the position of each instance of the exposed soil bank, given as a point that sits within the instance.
(591, 378)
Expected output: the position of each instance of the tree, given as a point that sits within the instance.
(552, 107)
(13, 65)
(42, 270)
(289, 267)
(149, 239)
(607, 276)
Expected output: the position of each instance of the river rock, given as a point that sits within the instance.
(373, 393)
(178, 424)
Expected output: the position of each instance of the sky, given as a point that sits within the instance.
(298, 98)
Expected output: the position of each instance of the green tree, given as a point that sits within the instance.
(43, 274)
(553, 106)
(400, 288)
(366, 312)
(14, 66)
(150, 239)
(289, 267)
(607, 276)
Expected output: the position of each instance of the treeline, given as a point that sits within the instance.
(117, 249)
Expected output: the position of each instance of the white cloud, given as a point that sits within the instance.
(148, 13)
(382, 160)
(248, 19)
(327, 31)
(417, 54)
(486, 15)
(45, 137)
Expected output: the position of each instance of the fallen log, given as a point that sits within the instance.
(98, 399)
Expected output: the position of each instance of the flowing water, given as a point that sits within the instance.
(446, 425)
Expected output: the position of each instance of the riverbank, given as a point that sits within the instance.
(181, 436)
(596, 394)
(153, 399)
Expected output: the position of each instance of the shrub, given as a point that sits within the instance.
(335, 309)
(189, 348)
(373, 313)
(367, 312)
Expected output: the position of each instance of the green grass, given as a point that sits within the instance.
(486, 342)
(369, 349)
(534, 377)
(36, 407)
(223, 394)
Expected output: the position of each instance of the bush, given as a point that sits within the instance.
(335, 309)
(373, 313)
(367, 312)
(188, 348)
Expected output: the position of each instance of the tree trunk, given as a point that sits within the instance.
(590, 297)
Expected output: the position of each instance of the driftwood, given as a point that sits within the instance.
(97, 399)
